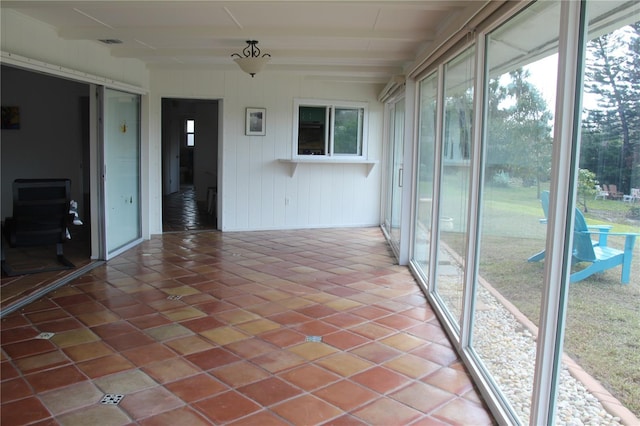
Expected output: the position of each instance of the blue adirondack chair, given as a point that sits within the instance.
(600, 257)
(601, 230)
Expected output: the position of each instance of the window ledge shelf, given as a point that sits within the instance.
(294, 162)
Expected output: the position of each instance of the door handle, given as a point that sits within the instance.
(400, 177)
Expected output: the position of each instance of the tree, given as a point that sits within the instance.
(457, 125)
(613, 75)
(586, 186)
(518, 130)
(346, 138)
(498, 148)
(600, 148)
(531, 139)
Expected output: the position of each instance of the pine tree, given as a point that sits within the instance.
(612, 74)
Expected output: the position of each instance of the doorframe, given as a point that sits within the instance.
(219, 151)
(98, 154)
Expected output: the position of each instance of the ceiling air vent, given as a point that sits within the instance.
(110, 41)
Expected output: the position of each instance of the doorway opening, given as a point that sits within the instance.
(190, 139)
(49, 140)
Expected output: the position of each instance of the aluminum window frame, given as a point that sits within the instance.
(564, 180)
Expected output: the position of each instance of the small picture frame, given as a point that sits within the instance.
(255, 122)
(10, 117)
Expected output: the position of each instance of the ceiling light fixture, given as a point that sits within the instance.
(251, 61)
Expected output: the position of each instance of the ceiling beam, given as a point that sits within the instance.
(232, 33)
(306, 54)
(377, 73)
(430, 5)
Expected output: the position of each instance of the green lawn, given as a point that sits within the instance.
(603, 317)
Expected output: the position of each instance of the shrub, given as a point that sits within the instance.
(586, 186)
(501, 178)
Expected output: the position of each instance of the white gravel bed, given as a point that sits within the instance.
(508, 350)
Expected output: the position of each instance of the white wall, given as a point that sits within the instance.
(255, 189)
(253, 186)
(29, 38)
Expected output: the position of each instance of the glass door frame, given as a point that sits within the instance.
(389, 113)
(404, 245)
(99, 203)
(392, 178)
(396, 171)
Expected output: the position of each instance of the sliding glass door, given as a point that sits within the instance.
(603, 309)
(518, 149)
(519, 163)
(121, 170)
(395, 170)
(428, 95)
(454, 188)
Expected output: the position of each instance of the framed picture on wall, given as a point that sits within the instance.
(10, 117)
(255, 122)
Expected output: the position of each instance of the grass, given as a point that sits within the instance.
(603, 317)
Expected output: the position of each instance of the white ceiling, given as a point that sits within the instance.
(360, 39)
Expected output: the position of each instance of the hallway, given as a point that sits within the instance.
(181, 212)
(299, 327)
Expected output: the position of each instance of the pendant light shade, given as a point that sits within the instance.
(251, 61)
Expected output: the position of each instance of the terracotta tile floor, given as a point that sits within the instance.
(181, 212)
(210, 328)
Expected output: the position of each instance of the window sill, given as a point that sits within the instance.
(294, 162)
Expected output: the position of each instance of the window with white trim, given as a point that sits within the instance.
(331, 129)
(190, 132)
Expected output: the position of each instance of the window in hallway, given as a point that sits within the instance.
(190, 133)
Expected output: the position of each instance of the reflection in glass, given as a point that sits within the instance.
(603, 316)
(454, 191)
(312, 131)
(426, 148)
(122, 157)
(347, 138)
(518, 148)
(397, 134)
